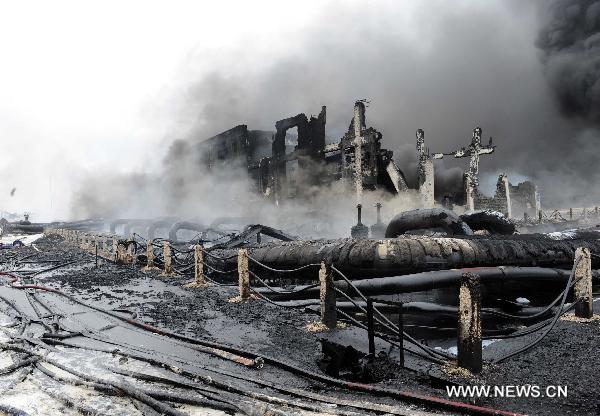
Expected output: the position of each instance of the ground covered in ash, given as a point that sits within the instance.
(568, 356)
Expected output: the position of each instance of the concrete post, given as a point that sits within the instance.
(469, 323)
(583, 283)
(150, 255)
(115, 251)
(199, 265)
(168, 260)
(105, 252)
(243, 274)
(327, 296)
(120, 252)
(129, 257)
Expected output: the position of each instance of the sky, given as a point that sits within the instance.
(102, 89)
(79, 81)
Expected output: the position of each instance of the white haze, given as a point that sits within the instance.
(95, 95)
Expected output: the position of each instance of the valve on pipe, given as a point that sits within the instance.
(378, 229)
(359, 230)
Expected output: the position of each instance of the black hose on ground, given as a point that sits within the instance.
(552, 324)
(397, 394)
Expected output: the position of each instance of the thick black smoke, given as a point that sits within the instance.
(570, 40)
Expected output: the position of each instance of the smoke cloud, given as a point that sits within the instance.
(570, 41)
(444, 67)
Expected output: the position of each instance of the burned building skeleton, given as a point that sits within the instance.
(275, 164)
(284, 166)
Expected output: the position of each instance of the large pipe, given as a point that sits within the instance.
(412, 254)
(415, 308)
(429, 218)
(492, 221)
(439, 279)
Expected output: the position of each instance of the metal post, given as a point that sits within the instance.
(401, 332)
(370, 327)
(583, 283)
(243, 274)
(96, 247)
(199, 265)
(469, 323)
(328, 297)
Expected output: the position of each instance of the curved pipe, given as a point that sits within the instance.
(134, 224)
(155, 225)
(493, 221)
(185, 225)
(230, 220)
(420, 219)
(115, 223)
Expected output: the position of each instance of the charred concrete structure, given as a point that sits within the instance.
(283, 166)
(514, 201)
(425, 172)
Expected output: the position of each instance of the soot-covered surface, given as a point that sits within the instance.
(566, 357)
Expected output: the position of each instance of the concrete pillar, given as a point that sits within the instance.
(199, 265)
(243, 274)
(469, 323)
(426, 188)
(167, 259)
(583, 283)
(327, 295)
(358, 157)
(469, 193)
(506, 187)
